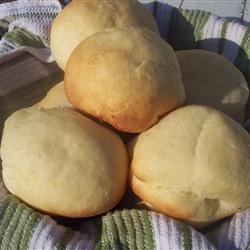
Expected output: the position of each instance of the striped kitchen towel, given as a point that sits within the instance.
(27, 71)
(190, 29)
(27, 22)
(23, 228)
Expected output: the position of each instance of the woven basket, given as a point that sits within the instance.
(21, 227)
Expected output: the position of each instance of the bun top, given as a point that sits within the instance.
(212, 80)
(60, 162)
(80, 19)
(193, 165)
(127, 77)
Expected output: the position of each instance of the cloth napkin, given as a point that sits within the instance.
(27, 71)
(28, 24)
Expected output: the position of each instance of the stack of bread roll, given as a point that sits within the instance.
(189, 157)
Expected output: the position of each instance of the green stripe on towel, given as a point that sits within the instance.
(186, 237)
(21, 37)
(13, 213)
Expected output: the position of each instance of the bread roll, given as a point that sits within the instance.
(81, 19)
(55, 98)
(211, 79)
(193, 165)
(126, 77)
(62, 163)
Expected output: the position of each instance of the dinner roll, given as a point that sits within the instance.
(55, 98)
(62, 163)
(211, 79)
(81, 19)
(126, 77)
(193, 165)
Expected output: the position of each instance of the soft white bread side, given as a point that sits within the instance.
(62, 163)
(193, 165)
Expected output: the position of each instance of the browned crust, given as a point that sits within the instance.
(134, 114)
(121, 122)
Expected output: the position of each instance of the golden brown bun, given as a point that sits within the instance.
(129, 86)
(55, 98)
(193, 165)
(81, 19)
(60, 162)
(212, 80)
